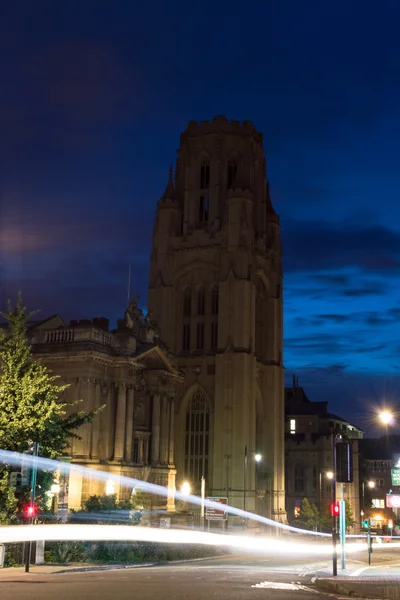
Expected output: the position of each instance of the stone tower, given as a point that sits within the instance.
(216, 292)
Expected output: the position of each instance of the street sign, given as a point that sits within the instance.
(395, 476)
(392, 501)
(213, 514)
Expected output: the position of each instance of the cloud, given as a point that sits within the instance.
(322, 245)
(334, 318)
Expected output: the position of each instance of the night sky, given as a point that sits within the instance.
(93, 98)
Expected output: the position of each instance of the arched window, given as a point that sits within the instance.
(232, 170)
(197, 428)
(205, 175)
(201, 301)
(214, 300)
(299, 479)
(187, 303)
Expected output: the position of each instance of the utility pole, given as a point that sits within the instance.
(334, 518)
(203, 495)
(33, 496)
(342, 517)
(244, 478)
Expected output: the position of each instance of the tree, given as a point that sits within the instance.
(30, 405)
(349, 516)
(309, 515)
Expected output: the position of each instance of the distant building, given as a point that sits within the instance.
(309, 428)
(378, 456)
(130, 372)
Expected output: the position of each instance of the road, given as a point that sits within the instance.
(231, 578)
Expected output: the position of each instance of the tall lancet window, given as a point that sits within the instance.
(232, 170)
(201, 301)
(197, 430)
(205, 175)
(204, 200)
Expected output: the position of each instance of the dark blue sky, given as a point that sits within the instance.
(93, 98)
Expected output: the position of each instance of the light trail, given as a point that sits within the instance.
(129, 533)
(47, 464)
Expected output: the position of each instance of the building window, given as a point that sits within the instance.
(187, 303)
(299, 478)
(197, 439)
(136, 450)
(379, 483)
(205, 175)
(378, 503)
(204, 209)
(297, 508)
(314, 479)
(232, 170)
(200, 336)
(292, 425)
(214, 336)
(186, 337)
(214, 300)
(201, 301)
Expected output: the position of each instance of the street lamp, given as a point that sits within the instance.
(185, 488)
(329, 475)
(257, 458)
(386, 417)
(371, 485)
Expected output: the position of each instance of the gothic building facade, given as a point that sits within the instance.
(215, 291)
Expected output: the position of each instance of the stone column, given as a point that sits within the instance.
(119, 443)
(164, 430)
(155, 430)
(141, 451)
(171, 447)
(96, 423)
(129, 425)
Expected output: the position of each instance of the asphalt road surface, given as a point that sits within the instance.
(232, 578)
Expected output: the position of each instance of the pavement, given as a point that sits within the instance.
(233, 577)
(381, 580)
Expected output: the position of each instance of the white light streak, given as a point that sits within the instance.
(129, 533)
(13, 458)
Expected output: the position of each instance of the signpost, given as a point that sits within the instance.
(213, 514)
(393, 500)
(395, 477)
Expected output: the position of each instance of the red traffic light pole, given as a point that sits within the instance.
(335, 509)
(31, 509)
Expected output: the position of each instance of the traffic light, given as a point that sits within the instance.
(335, 510)
(344, 462)
(365, 523)
(30, 511)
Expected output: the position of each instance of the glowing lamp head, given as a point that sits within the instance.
(371, 484)
(258, 457)
(386, 417)
(185, 488)
(329, 475)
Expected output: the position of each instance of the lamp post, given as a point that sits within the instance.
(257, 458)
(371, 485)
(28, 548)
(334, 516)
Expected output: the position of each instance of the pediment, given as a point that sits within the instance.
(154, 359)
